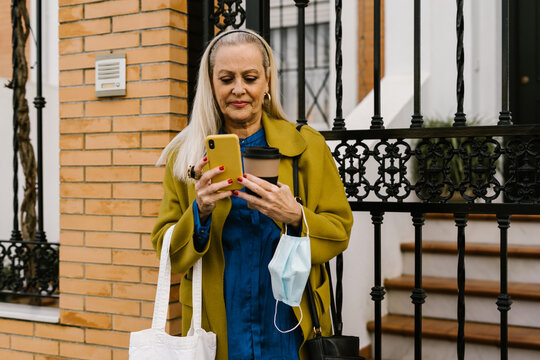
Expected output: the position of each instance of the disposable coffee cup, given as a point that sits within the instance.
(263, 162)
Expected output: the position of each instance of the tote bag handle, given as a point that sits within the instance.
(161, 304)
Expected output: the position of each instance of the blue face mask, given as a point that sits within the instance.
(289, 270)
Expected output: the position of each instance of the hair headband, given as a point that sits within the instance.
(232, 32)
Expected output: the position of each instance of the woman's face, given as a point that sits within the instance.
(239, 83)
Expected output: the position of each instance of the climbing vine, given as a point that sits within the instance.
(21, 29)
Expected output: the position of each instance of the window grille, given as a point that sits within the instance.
(283, 39)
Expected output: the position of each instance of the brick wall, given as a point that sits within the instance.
(110, 189)
(365, 46)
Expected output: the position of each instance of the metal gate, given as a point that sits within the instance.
(429, 151)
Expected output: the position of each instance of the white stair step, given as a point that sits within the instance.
(480, 300)
(481, 261)
(396, 347)
(443, 228)
(478, 309)
(439, 340)
(476, 267)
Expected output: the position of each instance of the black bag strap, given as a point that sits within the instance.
(336, 311)
(296, 189)
(313, 310)
(336, 305)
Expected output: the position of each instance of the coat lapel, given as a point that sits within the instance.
(284, 136)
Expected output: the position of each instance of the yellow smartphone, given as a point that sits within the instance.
(224, 150)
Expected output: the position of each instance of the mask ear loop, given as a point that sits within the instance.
(294, 328)
(304, 221)
(301, 313)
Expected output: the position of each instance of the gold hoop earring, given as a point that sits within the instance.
(267, 97)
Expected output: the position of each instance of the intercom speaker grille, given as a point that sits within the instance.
(109, 70)
(110, 75)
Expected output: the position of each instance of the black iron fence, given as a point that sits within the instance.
(411, 170)
(479, 151)
(28, 267)
(391, 190)
(429, 153)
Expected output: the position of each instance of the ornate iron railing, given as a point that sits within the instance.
(480, 150)
(28, 267)
(409, 170)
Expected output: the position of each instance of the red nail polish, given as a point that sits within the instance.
(205, 158)
(245, 176)
(240, 179)
(222, 168)
(235, 193)
(230, 181)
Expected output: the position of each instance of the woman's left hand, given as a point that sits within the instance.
(276, 201)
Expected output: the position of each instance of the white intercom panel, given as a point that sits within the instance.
(111, 75)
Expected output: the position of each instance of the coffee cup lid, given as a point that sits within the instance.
(262, 152)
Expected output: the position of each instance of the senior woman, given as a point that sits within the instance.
(236, 233)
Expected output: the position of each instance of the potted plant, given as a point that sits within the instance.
(453, 169)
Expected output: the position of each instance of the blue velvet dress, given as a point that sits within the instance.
(249, 241)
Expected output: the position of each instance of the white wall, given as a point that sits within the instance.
(50, 131)
(50, 41)
(482, 100)
(481, 70)
(482, 60)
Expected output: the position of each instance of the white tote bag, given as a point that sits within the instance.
(155, 343)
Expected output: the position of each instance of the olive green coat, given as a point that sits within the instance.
(327, 212)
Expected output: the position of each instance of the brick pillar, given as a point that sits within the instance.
(110, 189)
(365, 46)
(5, 38)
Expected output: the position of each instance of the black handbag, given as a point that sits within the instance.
(337, 346)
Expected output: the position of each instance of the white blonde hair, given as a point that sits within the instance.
(205, 119)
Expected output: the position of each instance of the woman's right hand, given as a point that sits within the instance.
(207, 193)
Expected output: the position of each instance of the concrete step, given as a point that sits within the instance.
(440, 339)
(480, 299)
(481, 261)
(483, 229)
